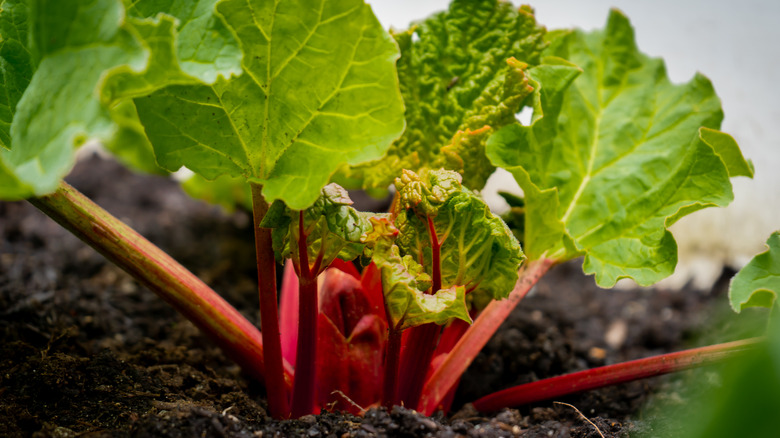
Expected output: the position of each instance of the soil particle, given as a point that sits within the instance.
(86, 351)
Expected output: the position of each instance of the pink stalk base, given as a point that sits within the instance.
(610, 375)
(467, 348)
(277, 388)
(238, 338)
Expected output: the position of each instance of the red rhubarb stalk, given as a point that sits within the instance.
(611, 375)
(149, 265)
(467, 348)
(392, 359)
(417, 353)
(305, 362)
(449, 338)
(278, 394)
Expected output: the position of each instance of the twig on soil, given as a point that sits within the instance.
(349, 400)
(581, 415)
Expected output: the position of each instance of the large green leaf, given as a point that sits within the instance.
(630, 155)
(477, 249)
(129, 143)
(225, 191)
(16, 67)
(758, 283)
(201, 45)
(67, 64)
(75, 47)
(461, 71)
(189, 44)
(319, 90)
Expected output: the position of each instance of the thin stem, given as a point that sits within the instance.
(467, 348)
(237, 337)
(611, 375)
(417, 354)
(392, 356)
(435, 257)
(305, 366)
(278, 393)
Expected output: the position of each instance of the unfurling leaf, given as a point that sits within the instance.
(478, 251)
(332, 228)
(404, 284)
(628, 155)
(462, 76)
(758, 283)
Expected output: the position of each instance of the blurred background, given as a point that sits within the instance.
(737, 46)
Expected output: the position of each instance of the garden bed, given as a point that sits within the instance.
(86, 351)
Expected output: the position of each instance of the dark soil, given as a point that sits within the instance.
(86, 351)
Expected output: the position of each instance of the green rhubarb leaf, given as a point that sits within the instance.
(67, 64)
(129, 143)
(74, 48)
(201, 45)
(11, 188)
(404, 284)
(319, 90)
(227, 192)
(16, 68)
(478, 251)
(189, 44)
(332, 227)
(758, 283)
(462, 77)
(629, 155)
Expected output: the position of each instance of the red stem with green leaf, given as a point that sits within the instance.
(417, 354)
(242, 342)
(278, 394)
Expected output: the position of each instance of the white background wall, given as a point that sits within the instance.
(736, 45)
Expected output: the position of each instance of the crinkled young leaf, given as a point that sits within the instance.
(333, 228)
(628, 159)
(458, 75)
(427, 191)
(319, 89)
(75, 48)
(404, 283)
(758, 283)
(478, 251)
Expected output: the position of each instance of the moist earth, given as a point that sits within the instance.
(86, 351)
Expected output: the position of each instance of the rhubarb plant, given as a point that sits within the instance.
(271, 104)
